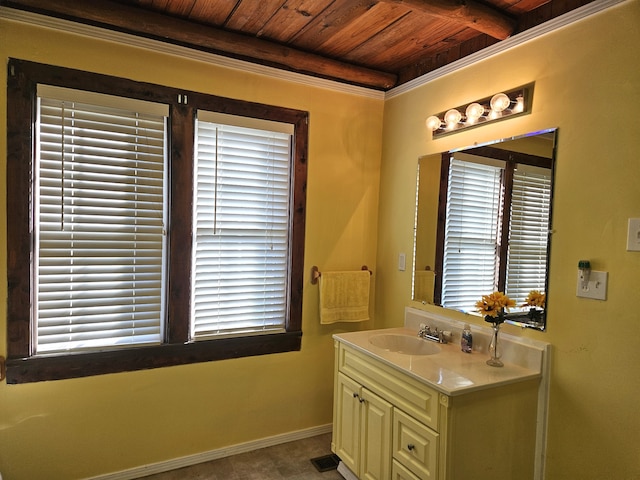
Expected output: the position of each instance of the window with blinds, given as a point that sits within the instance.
(241, 226)
(476, 205)
(472, 231)
(99, 210)
(145, 230)
(529, 231)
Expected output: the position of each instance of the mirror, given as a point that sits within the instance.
(483, 223)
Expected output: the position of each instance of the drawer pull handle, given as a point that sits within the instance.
(362, 400)
(411, 447)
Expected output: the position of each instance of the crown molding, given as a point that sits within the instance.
(511, 42)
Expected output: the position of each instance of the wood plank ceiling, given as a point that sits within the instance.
(378, 44)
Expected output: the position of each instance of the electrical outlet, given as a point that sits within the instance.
(633, 235)
(596, 287)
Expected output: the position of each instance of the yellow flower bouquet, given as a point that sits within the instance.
(493, 307)
(536, 302)
(535, 299)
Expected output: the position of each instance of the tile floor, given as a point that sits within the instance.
(290, 461)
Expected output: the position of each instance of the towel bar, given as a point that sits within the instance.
(315, 273)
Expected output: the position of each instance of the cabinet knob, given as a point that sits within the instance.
(362, 400)
(411, 447)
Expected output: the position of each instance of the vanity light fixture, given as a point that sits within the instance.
(490, 109)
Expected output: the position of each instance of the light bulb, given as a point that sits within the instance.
(452, 117)
(519, 107)
(433, 123)
(474, 112)
(499, 102)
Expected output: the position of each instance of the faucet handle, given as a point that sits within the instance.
(424, 330)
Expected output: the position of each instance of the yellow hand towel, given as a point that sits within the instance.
(423, 289)
(344, 296)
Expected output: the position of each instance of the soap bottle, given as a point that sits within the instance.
(466, 342)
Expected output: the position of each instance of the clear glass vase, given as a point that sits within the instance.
(495, 350)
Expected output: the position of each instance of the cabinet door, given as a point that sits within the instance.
(347, 429)
(375, 434)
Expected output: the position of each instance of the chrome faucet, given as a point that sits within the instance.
(434, 334)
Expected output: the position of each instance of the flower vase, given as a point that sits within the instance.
(495, 350)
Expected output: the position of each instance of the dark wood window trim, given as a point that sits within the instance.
(22, 365)
(511, 159)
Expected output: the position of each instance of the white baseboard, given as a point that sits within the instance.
(346, 473)
(175, 463)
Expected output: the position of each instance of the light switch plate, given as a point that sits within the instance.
(633, 235)
(596, 288)
(402, 262)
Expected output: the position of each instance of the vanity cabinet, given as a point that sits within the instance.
(363, 437)
(389, 425)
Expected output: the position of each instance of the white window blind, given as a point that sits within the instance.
(472, 233)
(528, 236)
(241, 226)
(99, 209)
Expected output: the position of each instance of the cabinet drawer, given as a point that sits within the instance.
(403, 391)
(400, 472)
(415, 446)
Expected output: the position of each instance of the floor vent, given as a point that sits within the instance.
(326, 463)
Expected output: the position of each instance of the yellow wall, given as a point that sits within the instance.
(588, 85)
(90, 426)
(586, 76)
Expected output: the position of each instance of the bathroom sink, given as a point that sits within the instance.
(405, 344)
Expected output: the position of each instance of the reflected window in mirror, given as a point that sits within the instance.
(495, 227)
(491, 225)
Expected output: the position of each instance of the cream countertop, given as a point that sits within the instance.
(449, 371)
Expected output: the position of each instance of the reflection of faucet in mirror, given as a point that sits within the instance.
(483, 222)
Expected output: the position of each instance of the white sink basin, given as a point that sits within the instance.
(405, 344)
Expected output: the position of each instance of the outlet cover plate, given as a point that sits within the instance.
(633, 235)
(597, 287)
(402, 262)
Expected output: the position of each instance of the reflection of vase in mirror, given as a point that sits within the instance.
(517, 260)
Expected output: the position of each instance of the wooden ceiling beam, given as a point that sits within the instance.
(465, 12)
(110, 14)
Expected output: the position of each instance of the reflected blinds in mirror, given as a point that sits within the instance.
(472, 231)
(529, 230)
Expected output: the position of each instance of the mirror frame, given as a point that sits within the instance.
(520, 318)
